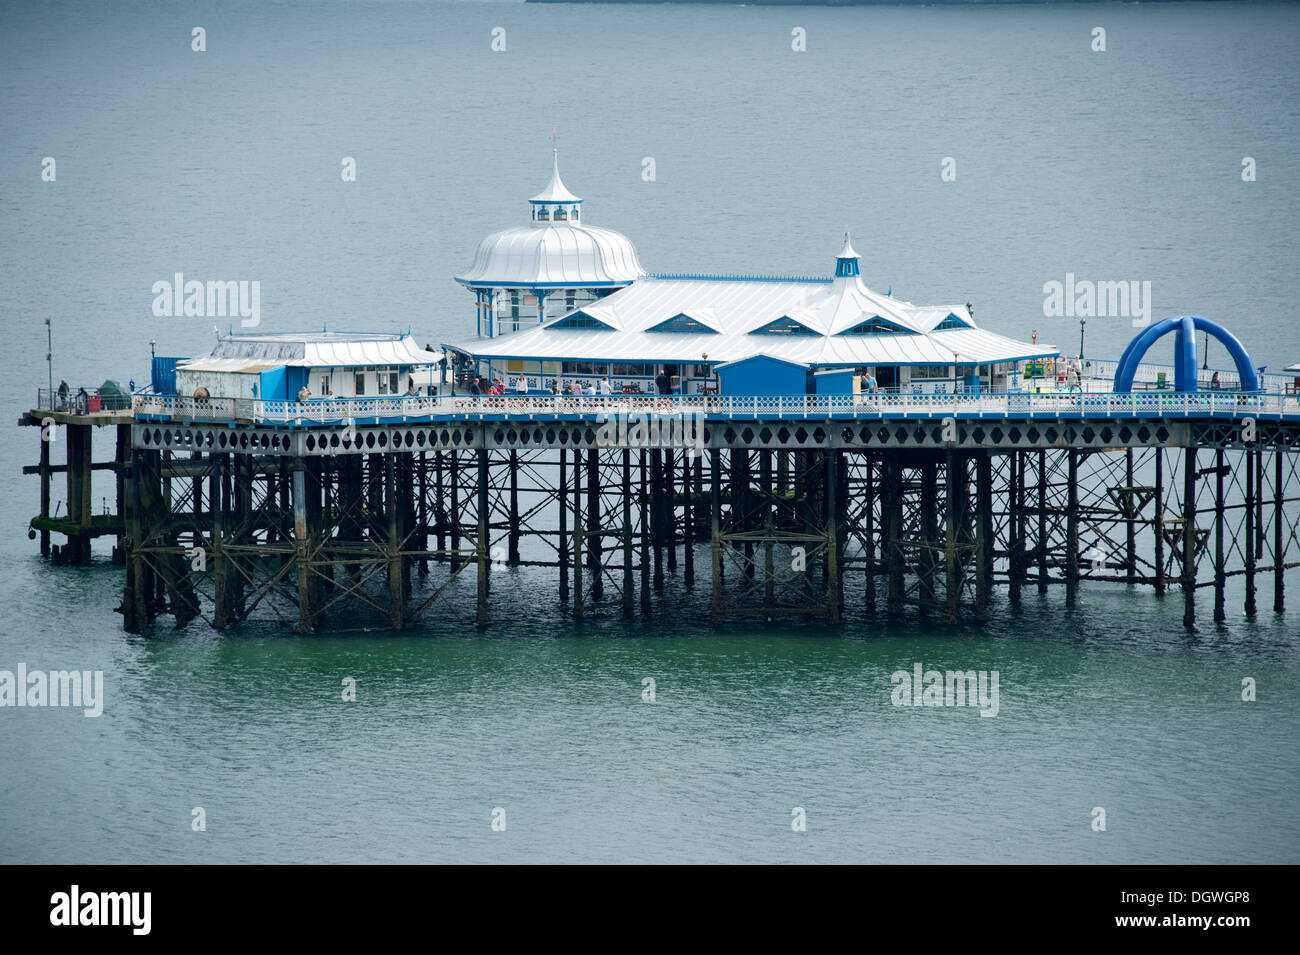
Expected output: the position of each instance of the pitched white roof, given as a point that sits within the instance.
(737, 307)
(317, 350)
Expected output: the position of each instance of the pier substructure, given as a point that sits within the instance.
(374, 526)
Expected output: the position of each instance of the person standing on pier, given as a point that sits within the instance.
(63, 394)
(663, 384)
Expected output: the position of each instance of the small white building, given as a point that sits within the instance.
(276, 366)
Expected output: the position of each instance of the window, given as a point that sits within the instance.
(325, 385)
(682, 323)
(359, 387)
(785, 325)
(581, 320)
(699, 371)
(931, 371)
(950, 323)
(877, 326)
(631, 370)
(585, 368)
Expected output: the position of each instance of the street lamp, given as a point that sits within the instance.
(151, 350)
(49, 354)
(1082, 322)
(1205, 361)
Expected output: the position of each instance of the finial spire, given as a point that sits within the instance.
(555, 192)
(846, 263)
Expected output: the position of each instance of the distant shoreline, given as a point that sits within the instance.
(862, 3)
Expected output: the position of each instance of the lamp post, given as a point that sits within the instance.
(49, 354)
(1082, 323)
(1205, 361)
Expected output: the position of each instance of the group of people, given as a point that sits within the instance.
(495, 386)
(481, 386)
(591, 389)
(69, 402)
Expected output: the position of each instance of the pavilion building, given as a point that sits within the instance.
(756, 335)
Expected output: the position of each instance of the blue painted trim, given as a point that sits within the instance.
(543, 285)
(707, 277)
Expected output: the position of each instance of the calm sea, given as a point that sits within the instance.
(1117, 165)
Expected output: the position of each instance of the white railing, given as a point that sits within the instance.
(1145, 404)
(1148, 373)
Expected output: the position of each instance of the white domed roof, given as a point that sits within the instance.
(557, 250)
(560, 255)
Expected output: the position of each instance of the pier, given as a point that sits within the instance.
(360, 513)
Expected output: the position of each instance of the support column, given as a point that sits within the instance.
(1042, 522)
(670, 508)
(45, 489)
(832, 539)
(301, 546)
(629, 597)
(1130, 519)
(646, 522)
(1160, 520)
(593, 525)
(1220, 573)
(512, 535)
(929, 521)
(454, 463)
(1072, 531)
(1015, 525)
(1279, 563)
(893, 467)
(769, 529)
(482, 543)
(1252, 494)
(715, 517)
(955, 491)
(423, 516)
(578, 608)
(221, 606)
(869, 530)
(393, 547)
(657, 515)
(1189, 539)
(563, 547)
(688, 513)
(983, 535)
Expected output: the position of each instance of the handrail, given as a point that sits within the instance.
(324, 411)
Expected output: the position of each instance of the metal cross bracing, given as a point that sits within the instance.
(335, 541)
(774, 532)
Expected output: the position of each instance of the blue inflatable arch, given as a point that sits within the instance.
(1185, 328)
